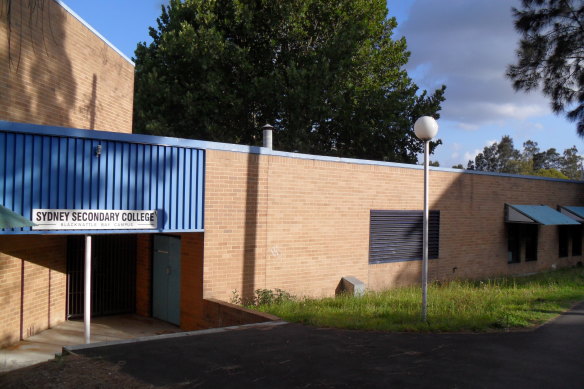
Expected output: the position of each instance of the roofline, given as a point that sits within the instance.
(36, 129)
(93, 30)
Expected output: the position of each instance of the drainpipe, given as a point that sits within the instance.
(268, 136)
(87, 294)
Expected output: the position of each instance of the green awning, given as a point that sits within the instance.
(576, 213)
(536, 214)
(9, 219)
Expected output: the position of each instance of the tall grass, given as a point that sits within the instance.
(494, 304)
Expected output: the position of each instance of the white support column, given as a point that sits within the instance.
(87, 294)
(425, 234)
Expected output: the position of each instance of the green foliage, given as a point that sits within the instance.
(551, 173)
(493, 304)
(326, 74)
(499, 157)
(262, 297)
(550, 54)
(502, 157)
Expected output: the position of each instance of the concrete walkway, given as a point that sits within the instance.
(47, 344)
(296, 356)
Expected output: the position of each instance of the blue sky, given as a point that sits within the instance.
(465, 44)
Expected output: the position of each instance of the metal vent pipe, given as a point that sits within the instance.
(268, 136)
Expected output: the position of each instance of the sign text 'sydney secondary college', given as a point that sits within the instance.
(93, 219)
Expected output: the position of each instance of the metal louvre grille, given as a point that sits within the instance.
(397, 236)
(113, 275)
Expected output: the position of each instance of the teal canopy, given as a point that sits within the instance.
(576, 213)
(536, 214)
(10, 219)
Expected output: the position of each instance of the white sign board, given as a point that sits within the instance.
(93, 219)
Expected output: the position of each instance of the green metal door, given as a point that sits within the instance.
(166, 278)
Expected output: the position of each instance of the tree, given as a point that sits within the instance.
(502, 157)
(327, 75)
(551, 173)
(571, 164)
(499, 157)
(459, 166)
(551, 54)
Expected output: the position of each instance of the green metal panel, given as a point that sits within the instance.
(9, 219)
(166, 278)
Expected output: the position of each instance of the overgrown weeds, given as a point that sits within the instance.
(262, 297)
(486, 305)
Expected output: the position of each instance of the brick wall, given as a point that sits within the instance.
(300, 224)
(39, 303)
(191, 274)
(144, 275)
(55, 71)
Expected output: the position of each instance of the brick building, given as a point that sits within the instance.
(227, 217)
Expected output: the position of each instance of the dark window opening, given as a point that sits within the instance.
(397, 236)
(564, 241)
(522, 241)
(514, 243)
(577, 240)
(530, 233)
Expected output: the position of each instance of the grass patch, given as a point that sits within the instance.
(494, 304)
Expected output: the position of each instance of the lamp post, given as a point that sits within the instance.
(425, 129)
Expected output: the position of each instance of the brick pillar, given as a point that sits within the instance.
(191, 301)
(144, 275)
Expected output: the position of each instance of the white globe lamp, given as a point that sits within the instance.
(426, 128)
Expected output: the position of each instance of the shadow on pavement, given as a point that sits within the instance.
(293, 355)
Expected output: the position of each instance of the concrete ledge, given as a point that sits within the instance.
(72, 349)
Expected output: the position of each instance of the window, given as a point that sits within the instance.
(570, 235)
(576, 240)
(397, 236)
(564, 241)
(530, 232)
(513, 243)
(522, 240)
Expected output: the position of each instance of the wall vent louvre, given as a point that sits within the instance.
(397, 236)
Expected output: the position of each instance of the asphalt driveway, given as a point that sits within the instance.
(296, 356)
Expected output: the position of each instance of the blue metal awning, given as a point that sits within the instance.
(536, 214)
(576, 213)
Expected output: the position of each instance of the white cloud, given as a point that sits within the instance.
(468, 45)
(467, 126)
(470, 156)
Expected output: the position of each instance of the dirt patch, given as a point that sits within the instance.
(70, 372)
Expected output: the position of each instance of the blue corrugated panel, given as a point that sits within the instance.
(60, 172)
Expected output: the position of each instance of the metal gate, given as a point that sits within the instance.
(113, 278)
